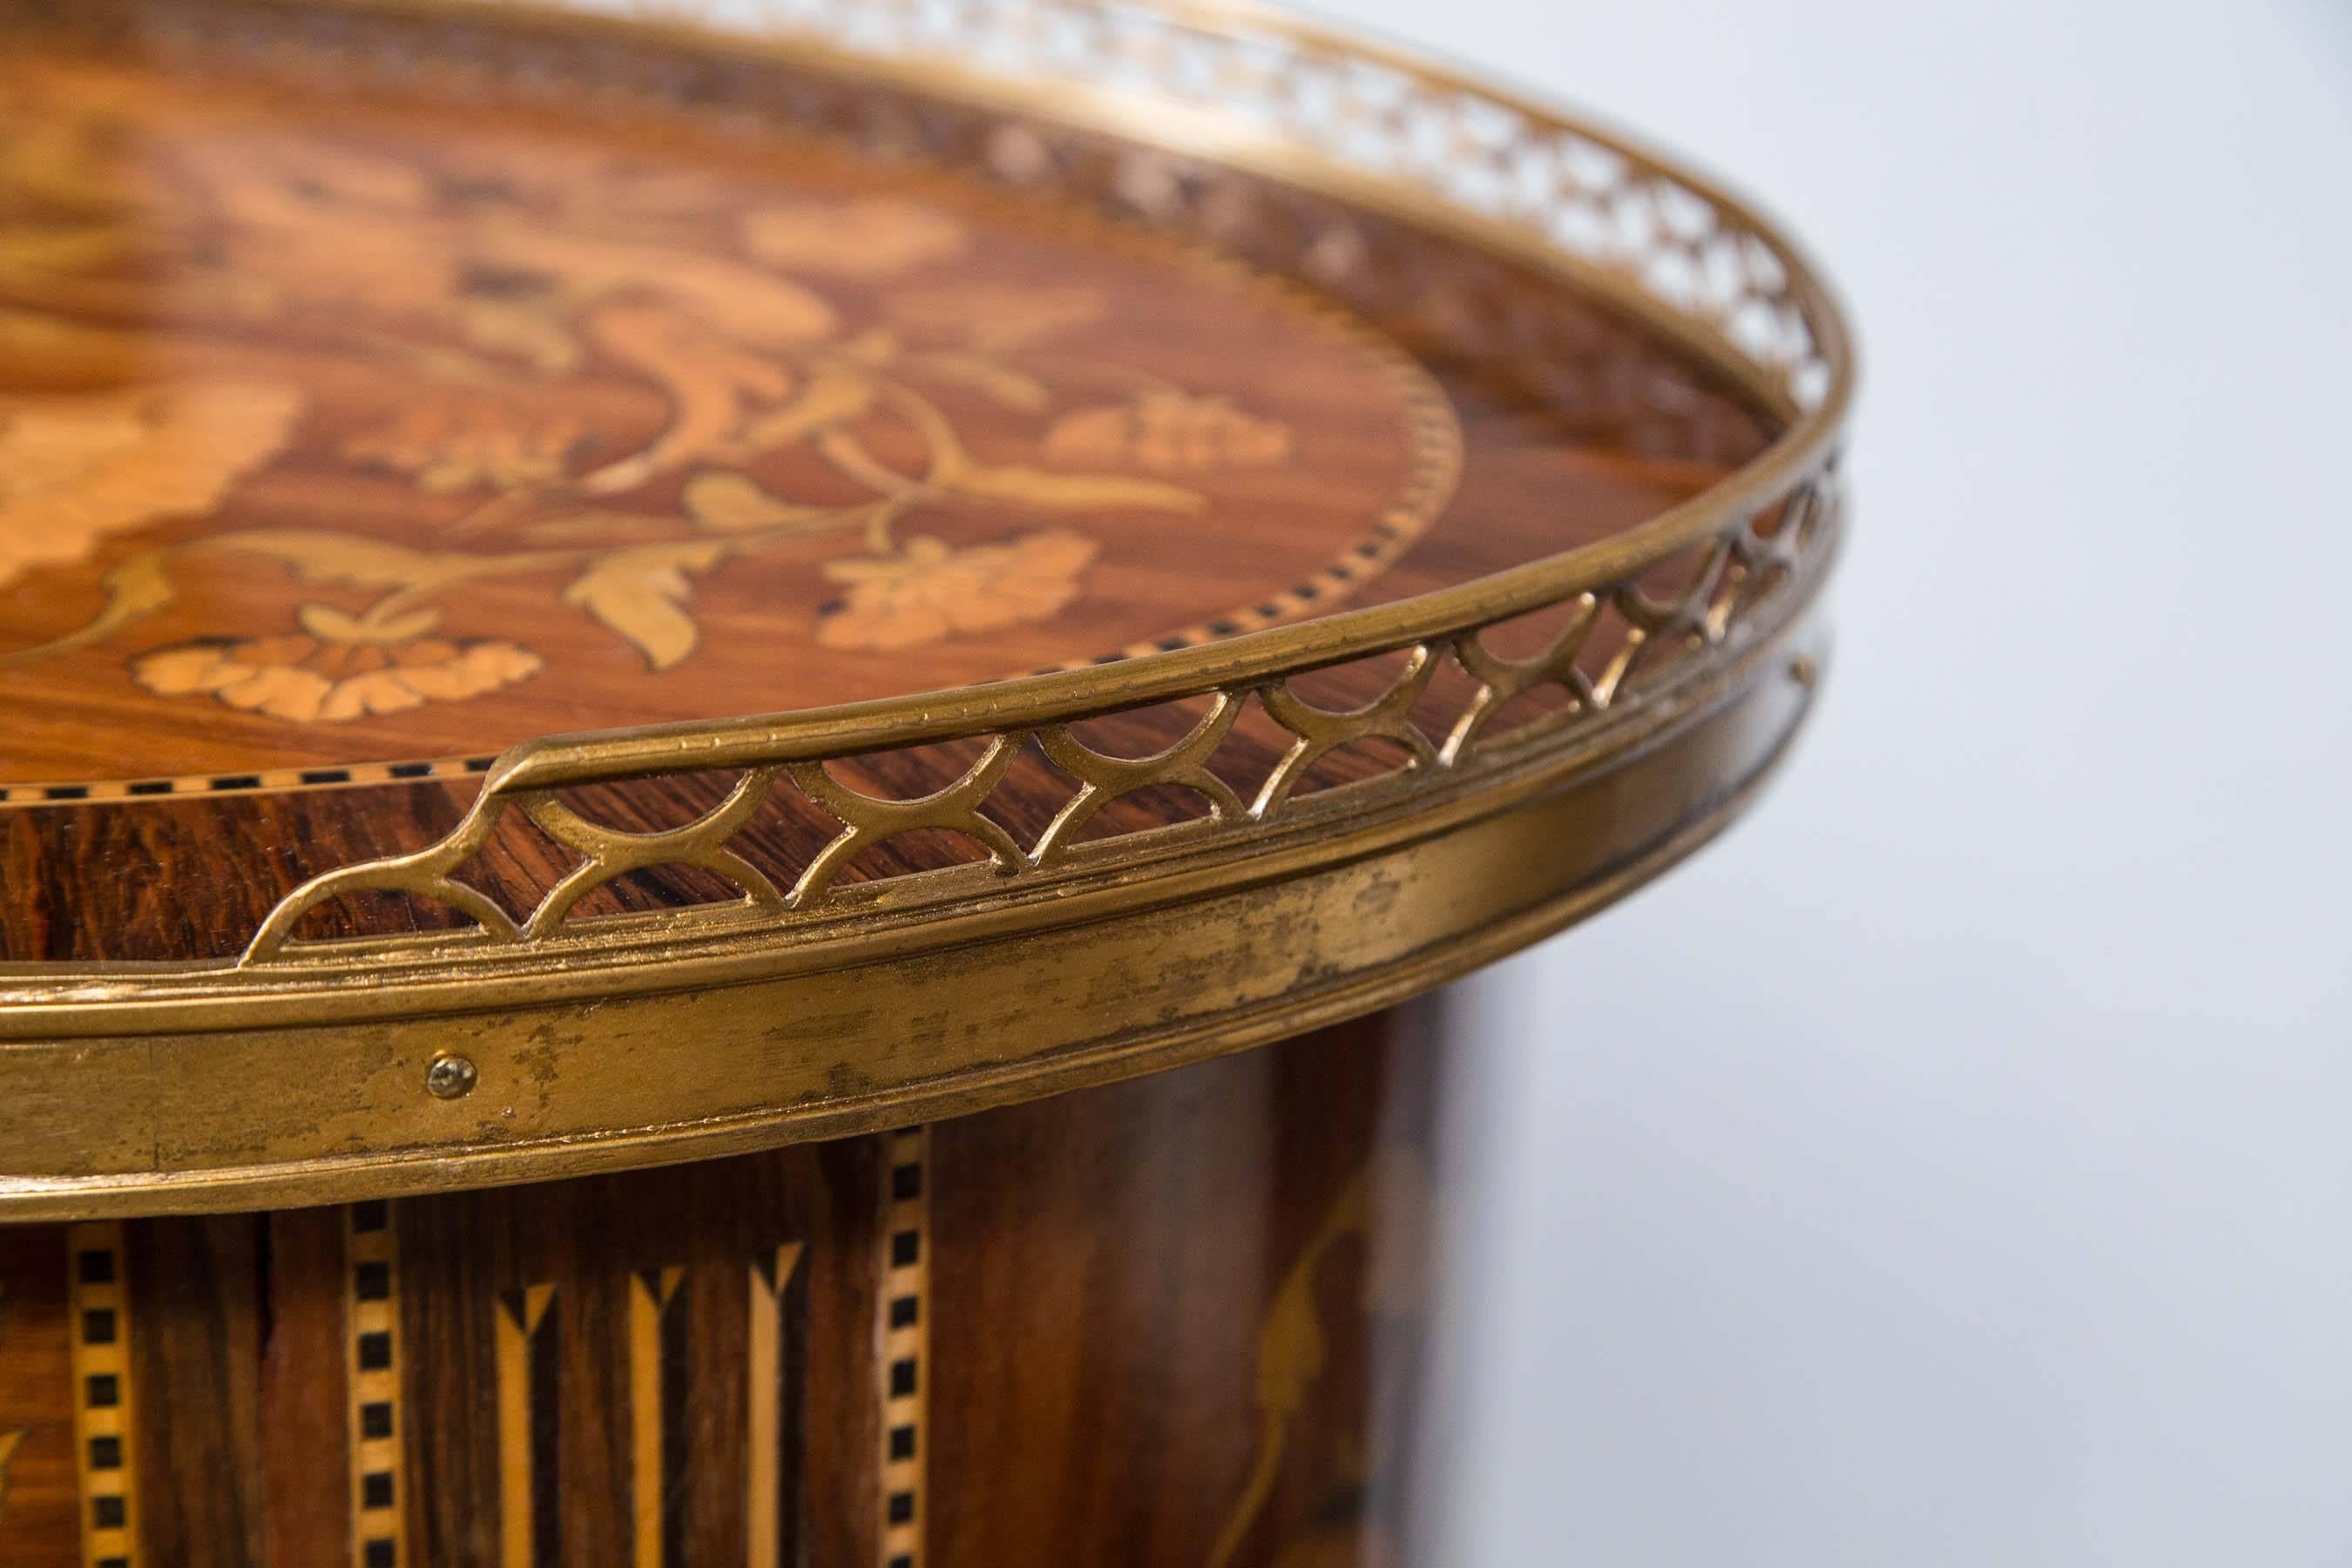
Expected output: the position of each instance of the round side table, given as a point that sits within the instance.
(723, 747)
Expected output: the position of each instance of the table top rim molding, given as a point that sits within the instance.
(598, 1042)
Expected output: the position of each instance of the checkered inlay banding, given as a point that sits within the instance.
(906, 1341)
(371, 1363)
(103, 1410)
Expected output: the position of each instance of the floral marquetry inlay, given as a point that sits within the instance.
(316, 416)
(930, 591)
(349, 672)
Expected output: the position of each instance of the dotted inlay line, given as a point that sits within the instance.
(372, 1326)
(103, 1425)
(906, 1339)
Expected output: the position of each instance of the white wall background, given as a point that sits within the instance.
(1952, 1166)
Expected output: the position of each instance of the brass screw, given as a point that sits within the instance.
(451, 1076)
(1802, 671)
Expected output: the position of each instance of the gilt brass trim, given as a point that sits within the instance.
(840, 1048)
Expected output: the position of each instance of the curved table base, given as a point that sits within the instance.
(1173, 1321)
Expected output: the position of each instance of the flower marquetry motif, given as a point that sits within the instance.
(1169, 432)
(877, 236)
(445, 448)
(930, 591)
(77, 467)
(308, 678)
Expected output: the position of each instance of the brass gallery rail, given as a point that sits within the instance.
(1435, 150)
(1739, 574)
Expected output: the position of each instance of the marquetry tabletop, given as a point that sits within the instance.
(575, 591)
